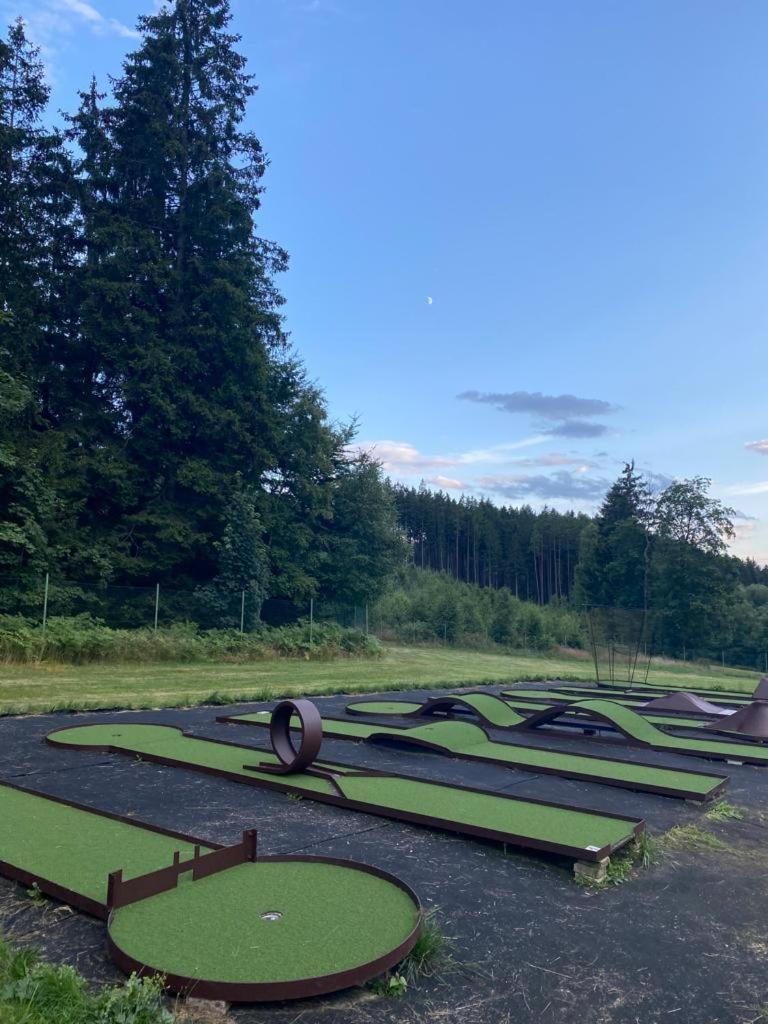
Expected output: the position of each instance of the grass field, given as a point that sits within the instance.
(30, 689)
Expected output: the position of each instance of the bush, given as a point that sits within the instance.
(32, 992)
(432, 607)
(82, 639)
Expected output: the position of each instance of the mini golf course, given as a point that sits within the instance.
(471, 742)
(219, 923)
(632, 698)
(581, 834)
(634, 728)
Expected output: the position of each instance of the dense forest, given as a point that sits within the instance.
(157, 428)
(155, 424)
(663, 558)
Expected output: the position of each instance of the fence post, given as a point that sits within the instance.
(366, 620)
(311, 619)
(45, 601)
(722, 656)
(157, 603)
(242, 611)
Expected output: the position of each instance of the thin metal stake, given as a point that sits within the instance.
(311, 619)
(157, 603)
(242, 611)
(45, 601)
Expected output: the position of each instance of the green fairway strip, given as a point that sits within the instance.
(644, 731)
(632, 699)
(525, 707)
(469, 740)
(533, 821)
(564, 698)
(77, 849)
(332, 919)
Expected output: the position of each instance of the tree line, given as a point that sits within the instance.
(155, 424)
(662, 557)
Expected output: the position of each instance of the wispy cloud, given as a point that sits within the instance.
(447, 483)
(100, 23)
(758, 446)
(743, 490)
(53, 24)
(558, 415)
(404, 459)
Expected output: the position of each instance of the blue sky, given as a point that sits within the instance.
(529, 240)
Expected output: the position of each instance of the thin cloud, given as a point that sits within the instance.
(447, 483)
(758, 446)
(52, 25)
(570, 486)
(744, 490)
(577, 428)
(404, 459)
(551, 459)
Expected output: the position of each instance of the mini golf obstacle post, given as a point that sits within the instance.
(311, 725)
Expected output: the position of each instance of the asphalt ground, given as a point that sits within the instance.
(685, 940)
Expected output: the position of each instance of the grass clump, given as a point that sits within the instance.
(640, 854)
(724, 811)
(432, 954)
(32, 992)
(691, 837)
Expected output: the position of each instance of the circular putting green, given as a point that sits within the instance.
(276, 928)
(382, 707)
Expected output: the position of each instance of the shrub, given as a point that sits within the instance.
(81, 639)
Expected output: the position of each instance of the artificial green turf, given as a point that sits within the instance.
(469, 740)
(77, 849)
(644, 731)
(529, 819)
(333, 919)
(394, 707)
(634, 699)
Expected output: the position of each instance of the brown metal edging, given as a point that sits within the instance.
(247, 992)
(639, 787)
(281, 785)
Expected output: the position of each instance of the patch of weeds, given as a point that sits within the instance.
(295, 796)
(432, 952)
(691, 837)
(32, 992)
(391, 985)
(37, 896)
(641, 853)
(724, 811)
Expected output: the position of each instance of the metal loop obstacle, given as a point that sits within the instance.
(311, 725)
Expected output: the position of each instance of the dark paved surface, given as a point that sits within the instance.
(684, 942)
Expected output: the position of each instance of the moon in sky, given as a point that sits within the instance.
(429, 300)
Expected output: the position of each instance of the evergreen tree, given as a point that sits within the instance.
(613, 566)
(196, 386)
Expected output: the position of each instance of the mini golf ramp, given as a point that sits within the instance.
(216, 922)
(636, 729)
(470, 742)
(580, 834)
(641, 732)
(520, 709)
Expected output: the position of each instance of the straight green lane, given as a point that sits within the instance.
(573, 832)
(77, 849)
(470, 741)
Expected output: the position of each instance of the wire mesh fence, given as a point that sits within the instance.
(622, 644)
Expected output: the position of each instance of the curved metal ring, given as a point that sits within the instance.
(293, 760)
